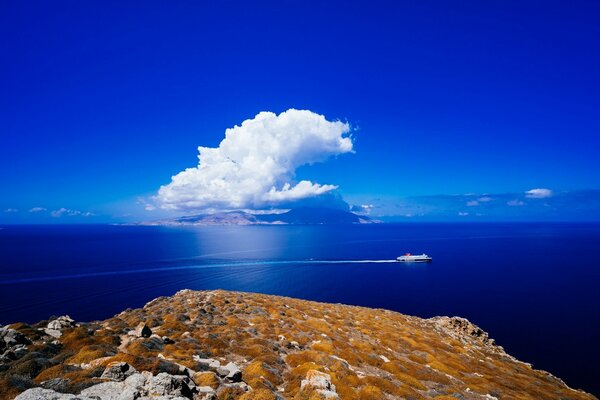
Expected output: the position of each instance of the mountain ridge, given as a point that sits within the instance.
(294, 216)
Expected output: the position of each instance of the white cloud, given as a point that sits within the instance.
(147, 205)
(484, 199)
(463, 214)
(255, 164)
(515, 203)
(539, 193)
(71, 213)
(37, 209)
(11, 210)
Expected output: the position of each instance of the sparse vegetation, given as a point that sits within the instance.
(367, 353)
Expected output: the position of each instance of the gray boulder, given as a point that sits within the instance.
(165, 384)
(321, 382)
(10, 338)
(48, 394)
(234, 374)
(56, 326)
(118, 371)
(207, 362)
(137, 386)
(142, 330)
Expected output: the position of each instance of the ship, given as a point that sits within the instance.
(414, 258)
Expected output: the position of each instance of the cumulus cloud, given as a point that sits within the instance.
(71, 213)
(37, 209)
(254, 166)
(515, 203)
(539, 193)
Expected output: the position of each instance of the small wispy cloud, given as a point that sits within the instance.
(483, 199)
(535, 204)
(539, 193)
(70, 213)
(37, 209)
(11, 210)
(146, 204)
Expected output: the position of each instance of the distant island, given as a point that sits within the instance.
(296, 216)
(218, 345)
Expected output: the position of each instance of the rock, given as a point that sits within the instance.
(207, 362)
(118, 371)
(12, 344)
(56, 326)
(114, 391)
(165, 384)
(48, 394)
(222, 372)
(144, 386)
(321, 382)
(154, 342)
(462, 329)
(10, 337)
(167, 340)
(234, 374)
(142, 330)
(58, 384)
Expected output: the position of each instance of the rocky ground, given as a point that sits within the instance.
(230, 345)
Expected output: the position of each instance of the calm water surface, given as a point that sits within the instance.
(534, 287)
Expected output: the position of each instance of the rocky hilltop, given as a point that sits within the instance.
(230, 345)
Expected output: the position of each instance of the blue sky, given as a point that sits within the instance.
(103, 102)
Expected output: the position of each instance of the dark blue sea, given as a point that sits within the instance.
(533, 287)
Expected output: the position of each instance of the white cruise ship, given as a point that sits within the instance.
(414, 258)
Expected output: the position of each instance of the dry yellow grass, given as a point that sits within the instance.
(368, 353)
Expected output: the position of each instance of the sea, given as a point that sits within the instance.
(534, 287)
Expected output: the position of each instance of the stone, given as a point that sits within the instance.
(118, 371)
(207, 362)
(463, 329)
(143, 386)
(167, 340)
(154, 342)
(48, 394)
(165, 384)
(58, 384)
(56, 326)
(234, 374)
(12, 343)
(321, 382)
(142, 330)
